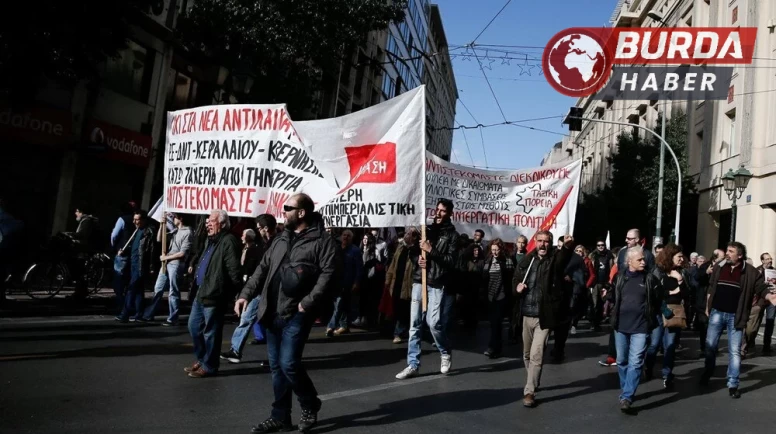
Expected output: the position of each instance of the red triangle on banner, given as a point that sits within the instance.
(550, 219)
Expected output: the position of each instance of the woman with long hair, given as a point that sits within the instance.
(497, 273)
(669, 269)
(370, 282)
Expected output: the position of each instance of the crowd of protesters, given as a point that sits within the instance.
(284, 280)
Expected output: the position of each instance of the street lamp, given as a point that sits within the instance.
(242, 80)
(661, 170)
(734, 184)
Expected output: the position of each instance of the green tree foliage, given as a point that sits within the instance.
(285, 43)
(62, 40)
(630, 198)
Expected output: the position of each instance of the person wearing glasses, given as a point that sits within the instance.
(296, 278)
(633, 239)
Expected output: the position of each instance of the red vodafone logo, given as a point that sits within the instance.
(576, 62)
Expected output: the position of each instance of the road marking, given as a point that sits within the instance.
(400, 383)
(26, 357)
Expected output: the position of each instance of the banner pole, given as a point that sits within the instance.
(424, 289)
(164, 240)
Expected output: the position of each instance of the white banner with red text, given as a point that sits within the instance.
(375, 158)
(362, 169)
(505, 203)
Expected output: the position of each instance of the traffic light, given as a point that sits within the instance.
(574, 119)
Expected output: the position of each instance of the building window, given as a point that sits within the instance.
(732, 145)
(130, 72)
(388, 87)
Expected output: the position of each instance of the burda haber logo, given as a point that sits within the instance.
(646, 63)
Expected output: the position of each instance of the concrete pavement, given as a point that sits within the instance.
(90, 375)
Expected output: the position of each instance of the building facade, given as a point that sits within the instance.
(393, 61)
(722, 135)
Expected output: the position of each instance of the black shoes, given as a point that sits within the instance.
(308, 420)
(734, 393)
(625, 406)
(231, 356)
(272, 425)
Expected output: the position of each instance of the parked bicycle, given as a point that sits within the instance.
(63, 265)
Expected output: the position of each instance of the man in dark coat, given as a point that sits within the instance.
(296, 278)
(539, 282)
(218, 277)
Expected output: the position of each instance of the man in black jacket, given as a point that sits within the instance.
(603, 260)
(638, 297)
(539, 282)
(218, 277)
(295, 278)
(441, 261)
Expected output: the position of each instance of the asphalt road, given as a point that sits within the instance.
(92, 375)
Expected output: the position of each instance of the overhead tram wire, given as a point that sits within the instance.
(465, 140)
(491, 21)
(482, 141)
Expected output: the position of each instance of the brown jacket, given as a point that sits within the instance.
(390, 276)
(752, 284)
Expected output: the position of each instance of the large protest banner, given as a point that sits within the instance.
(505, 203)
(245, 159)
(362, 170)
(375, 158)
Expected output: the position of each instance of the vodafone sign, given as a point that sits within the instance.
(120, 144)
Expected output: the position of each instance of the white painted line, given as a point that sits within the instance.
(400, 383)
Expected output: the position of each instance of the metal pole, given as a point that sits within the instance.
(660, 178)
(734, 209)
(667, 146)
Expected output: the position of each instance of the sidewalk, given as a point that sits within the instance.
(102, 303)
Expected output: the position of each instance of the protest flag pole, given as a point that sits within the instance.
(129, 241)
(424, 290)
(163, 227)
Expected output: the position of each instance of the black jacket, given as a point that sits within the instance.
(314, 254)
(442, 261)
(551, 283)
(602, 263)
(654, 298)
(752, 284)
(252, 258)
(223, 276)
(147, 246)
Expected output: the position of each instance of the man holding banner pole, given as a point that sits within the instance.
(437, 263)
(539, 282)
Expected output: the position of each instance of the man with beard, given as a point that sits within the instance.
(439, 263)
(633, 239)
(539, 282)
(296, 277)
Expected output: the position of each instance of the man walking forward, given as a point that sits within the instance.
(295, 278)
(539, 282)
(441, 260)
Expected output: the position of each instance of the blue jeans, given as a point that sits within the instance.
(285, 343)
(630, 358)
(248, 319)
(400, 329)
(440, 306)
(133, 299)
(666, 337)
(718, 322)
(169, 280)
(120, 280)
(339, 319)
(206, 326)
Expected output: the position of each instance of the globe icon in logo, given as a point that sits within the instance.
(576, 63)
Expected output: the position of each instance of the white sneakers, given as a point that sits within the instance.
(408, 372)
(447, 363)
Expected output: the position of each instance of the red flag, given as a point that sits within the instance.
(550, 219)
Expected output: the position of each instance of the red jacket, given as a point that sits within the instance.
(590, 273)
